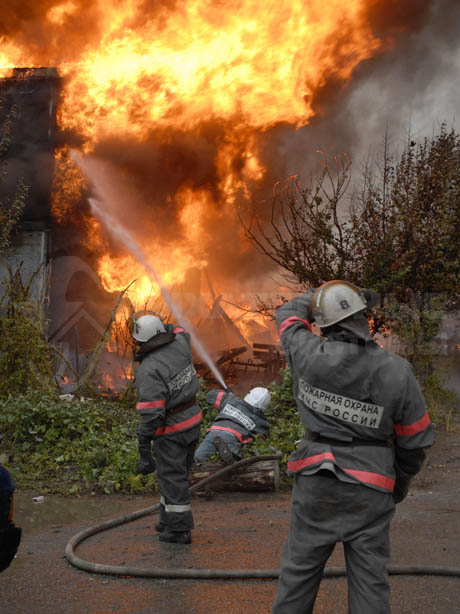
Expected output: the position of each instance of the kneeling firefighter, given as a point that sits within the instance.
(167, 385)
(236, 424)
(10, 535)
(367, 431)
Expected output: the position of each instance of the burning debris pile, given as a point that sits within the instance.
(174, 116)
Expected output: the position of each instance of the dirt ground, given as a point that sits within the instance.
(233, 531)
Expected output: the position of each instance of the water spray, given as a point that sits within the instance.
(99, 207)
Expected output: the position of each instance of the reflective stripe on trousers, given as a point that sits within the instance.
(174, 508)
(174, 458)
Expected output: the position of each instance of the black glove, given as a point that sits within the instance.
(146, 466)
(402, 483)
(146, 463)
(10, 536)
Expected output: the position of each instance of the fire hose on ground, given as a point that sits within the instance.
(212, 574)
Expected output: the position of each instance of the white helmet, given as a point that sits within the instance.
(147, 327)
(334, 301)
(258, 397)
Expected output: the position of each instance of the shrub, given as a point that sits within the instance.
(90, 445)
(26, 358)
(70, 446)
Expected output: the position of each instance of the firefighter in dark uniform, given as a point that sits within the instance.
(167, 385)
(366, 434)
(10, 535)
(237, 423)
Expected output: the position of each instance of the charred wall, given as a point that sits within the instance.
(29, 97)
(33, 96)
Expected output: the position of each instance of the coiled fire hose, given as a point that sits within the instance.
(211, 574)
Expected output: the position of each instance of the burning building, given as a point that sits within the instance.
(59, 241)
(173, 121)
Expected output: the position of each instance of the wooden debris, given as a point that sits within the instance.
(259, 476)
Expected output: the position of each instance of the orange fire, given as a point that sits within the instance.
(68, 185)
(238, 61)
(243, 65)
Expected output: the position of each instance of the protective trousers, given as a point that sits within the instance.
(325, 511)
(174, 458)
(207, 447)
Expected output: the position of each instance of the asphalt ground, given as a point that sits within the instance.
(233, 531)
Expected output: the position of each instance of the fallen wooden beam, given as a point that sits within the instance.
(259, 476)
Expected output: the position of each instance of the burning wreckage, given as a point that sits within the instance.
(179, 135)
(57, 254)
(82, 274)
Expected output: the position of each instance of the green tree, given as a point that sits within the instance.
(405, 222)
(397, 234)
(406, 243)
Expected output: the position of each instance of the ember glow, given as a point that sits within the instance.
(179, 99)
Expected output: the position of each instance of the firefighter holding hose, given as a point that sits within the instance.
(167, 384)
(367, 431)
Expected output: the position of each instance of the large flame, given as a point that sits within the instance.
(254, 65)
(134, 71)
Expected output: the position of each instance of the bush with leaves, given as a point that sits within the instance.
(26, 358)
(399, 230)
(74, 446)
(70, 445)
(442, 402)
(90, 446)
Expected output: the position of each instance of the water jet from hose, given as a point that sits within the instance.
(101, 209)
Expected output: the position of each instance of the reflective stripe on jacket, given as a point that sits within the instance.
(354, 392)
(165, 379)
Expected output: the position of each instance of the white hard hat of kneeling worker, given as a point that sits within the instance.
(258, 397)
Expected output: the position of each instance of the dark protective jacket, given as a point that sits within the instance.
(167, 384)
(10, 535)
(237, 417)
(361, 404)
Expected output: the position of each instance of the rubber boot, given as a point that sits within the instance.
(225, 454)
(183, 537)
(160, 527)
